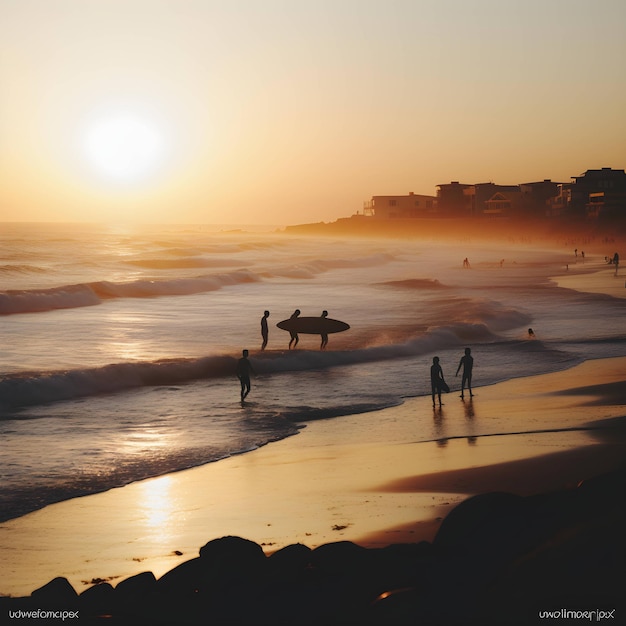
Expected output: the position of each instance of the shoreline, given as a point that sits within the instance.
(361, 478)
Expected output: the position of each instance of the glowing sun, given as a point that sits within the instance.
(124, 148)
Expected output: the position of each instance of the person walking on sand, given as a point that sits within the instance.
(293, 341)
(244, 367)
(437, 382)
(264, 330)
(324, 336)
(467, 363)
(616, 262)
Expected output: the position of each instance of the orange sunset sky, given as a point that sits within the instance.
(291, 111)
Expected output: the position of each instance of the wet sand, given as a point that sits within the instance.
(362, 478)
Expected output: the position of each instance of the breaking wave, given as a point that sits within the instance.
(34, 388)
(90, 294)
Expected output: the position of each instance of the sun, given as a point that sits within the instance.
(124, 147)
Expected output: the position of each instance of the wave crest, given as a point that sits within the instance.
(74, 296)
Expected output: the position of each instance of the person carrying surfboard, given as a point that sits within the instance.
(324, 336)
(437, 382)
(264, 330)
(293, 341)
(244, 367)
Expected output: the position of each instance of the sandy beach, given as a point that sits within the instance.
(361, 478)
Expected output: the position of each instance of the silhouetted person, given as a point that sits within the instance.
(616, 262)
(467, 363)
(244, 367)
(324, 336)
(264, 331)
(293, 342)
(531, 333)
(436, 379)
(466, 263)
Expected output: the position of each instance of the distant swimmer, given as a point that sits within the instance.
(437, 382)
(467, 363)
(293, 342)
(244, 367)
(531, 333)
(324, 336)
(264, 331)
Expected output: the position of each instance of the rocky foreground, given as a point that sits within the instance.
(498, 558)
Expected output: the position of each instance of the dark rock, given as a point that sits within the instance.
(186, 578)
(479, 519)
(234, 549)
(98, 599)
(139, 585)
(58, 592)
(606, 490)
(400, 607)
(289, 561)
(340, 556)
(232, 560)
(405, 565)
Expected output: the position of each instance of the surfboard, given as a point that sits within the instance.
(444, 386)
(313, 325)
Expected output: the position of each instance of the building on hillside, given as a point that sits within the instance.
(401, 207)
(491, 200)
(558, 206)
(454, 199)
(600, 194)
(537, 197)
(596, 194)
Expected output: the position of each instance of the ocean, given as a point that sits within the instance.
(118, 345)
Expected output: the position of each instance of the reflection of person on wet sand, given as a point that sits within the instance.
(244, 367)
(437, 381)
(264, 331)
(467, 363)
(293, 342)
(324, 336)
(469, 409)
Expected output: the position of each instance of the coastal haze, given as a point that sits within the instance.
(437, 175)
(293, 112)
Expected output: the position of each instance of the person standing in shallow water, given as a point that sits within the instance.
(467, 363)
(244, 368)
(293, 341)
(324, 336)
(437, 381)
(264, 330)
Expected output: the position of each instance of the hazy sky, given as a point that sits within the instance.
(292, 111)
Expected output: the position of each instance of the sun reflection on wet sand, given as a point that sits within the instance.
(155, 502)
